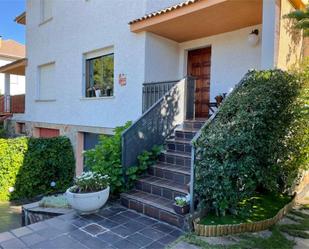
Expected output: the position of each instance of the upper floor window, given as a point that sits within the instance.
(46, 10)
(99, 75)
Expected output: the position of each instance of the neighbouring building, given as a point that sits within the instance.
(89, 60)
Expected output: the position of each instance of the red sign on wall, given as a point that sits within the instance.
(122, 79)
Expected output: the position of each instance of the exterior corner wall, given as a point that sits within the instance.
(291, 44)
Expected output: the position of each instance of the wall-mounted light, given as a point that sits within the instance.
(253, 38)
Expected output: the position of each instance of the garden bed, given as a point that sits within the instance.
(265, 212)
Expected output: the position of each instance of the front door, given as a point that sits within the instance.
(199, 67)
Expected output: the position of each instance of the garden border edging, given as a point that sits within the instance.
(219, 230)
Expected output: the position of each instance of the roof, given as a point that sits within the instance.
(21, 19)
(299, 4)
(16, 67)
(12, 49)
(166, 10)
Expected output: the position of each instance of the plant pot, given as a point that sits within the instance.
(181, 210)
(219, 99)
(87, 203)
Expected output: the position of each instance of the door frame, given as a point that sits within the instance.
(186, 65)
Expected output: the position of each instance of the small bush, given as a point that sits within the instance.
(255, 143)
(29, 165)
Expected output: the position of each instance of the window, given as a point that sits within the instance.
(100, 76)
(46, 82)
(20, 128)
(46, 10)
(48, 133)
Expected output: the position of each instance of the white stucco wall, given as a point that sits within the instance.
(17, 82)
(161, 59)
(231, 58)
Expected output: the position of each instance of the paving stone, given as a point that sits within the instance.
(155, 245)
(122, 231)
(21, 231)
(167, 239)
(140, 239)
(80, 222)
(13, 244)
(94, 229)
(80, 235)
(131, 214)
(119, 218)
(32, 239)
(38, 226)
(49, 232)
(146, 221)
(152, 233)
(184, 245)
(92, 217)
(134, 226)
(95, 243)
(177, 233)
(6, 236)
(109, 237)
(107, 223)
(163, 227)
(124, 243)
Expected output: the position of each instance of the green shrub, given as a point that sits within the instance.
(3, 133)
(29, 165)
(105, 159)
(252, 141)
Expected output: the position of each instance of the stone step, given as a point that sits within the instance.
(194, 123)
(171, 172)
(154, 206)
(185, 134)
(161, 187)
(180, 145)
(180, 159)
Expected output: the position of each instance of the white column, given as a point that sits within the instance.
(270, 33)
(7, 106)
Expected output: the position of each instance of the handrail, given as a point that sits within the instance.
(197, 136)
(155, 124)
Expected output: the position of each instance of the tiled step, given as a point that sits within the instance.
(161, 187)
(153, 206)
(194, 123)
(171, 172)
(185, 134)
(180, 145)
(180, 159)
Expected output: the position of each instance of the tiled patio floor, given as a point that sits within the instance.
(113, 227)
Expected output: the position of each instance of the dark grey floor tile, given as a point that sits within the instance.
(107, 223)
(106, 213)
(80, 235)
(93, 217)
(134, 226)
(140, 239)
(95, 243)
(131, 214)
(122, 231)
(12, 244)
(49, 232)
(6, 236)
(152, 233)
(94, 229)
(22, 231)
(38, 226)
(155, 245)
(177, 233)
(167, 239)
(65, 241)
(163, 227)
(109, 237)
(146, 221)
(80, 222)
(32, 239)
(118, 218)
(126, 244)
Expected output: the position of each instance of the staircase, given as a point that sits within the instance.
(154, 193)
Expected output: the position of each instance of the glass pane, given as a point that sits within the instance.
(100, 76)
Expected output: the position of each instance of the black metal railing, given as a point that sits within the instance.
(157, 122)
(153, 91)
(214, 109)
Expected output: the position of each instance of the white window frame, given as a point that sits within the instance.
(38, 87)
(44, 19)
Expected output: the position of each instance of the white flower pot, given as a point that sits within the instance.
(87, 203)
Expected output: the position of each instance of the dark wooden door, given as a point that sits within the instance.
(199, 67)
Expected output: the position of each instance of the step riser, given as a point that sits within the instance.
(184, 135)
(165, 192)
(193, 125)
(178, 147)
(176, 160)
(170, 175)
(153, 212)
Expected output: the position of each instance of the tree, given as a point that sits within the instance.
(302, 19)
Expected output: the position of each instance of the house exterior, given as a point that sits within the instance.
(11, 51)
(88, 60)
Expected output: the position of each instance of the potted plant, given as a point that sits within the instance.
(90, 192)
(181, 205)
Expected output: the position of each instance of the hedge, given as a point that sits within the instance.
(29, 165)
(257, 142)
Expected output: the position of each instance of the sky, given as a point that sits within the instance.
(9, 29)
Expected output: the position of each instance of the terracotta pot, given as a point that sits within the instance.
(181, 210)
(219, 99)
